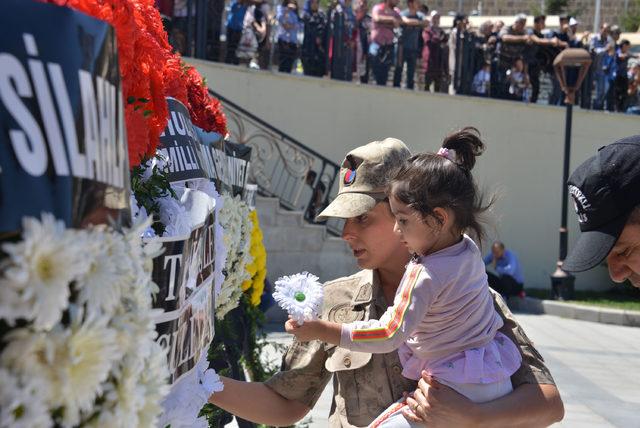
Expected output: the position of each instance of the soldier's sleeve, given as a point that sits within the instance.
(303, 375)
(532, 369)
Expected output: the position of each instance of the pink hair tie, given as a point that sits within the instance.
(448, 154)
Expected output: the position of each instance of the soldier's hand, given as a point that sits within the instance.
(437, 405)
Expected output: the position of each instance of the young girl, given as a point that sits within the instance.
(442, 319)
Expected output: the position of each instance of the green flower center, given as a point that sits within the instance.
(299, 296)
(19, 411)
(44, 267)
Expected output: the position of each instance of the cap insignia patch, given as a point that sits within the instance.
(580, 203)
(349, 177)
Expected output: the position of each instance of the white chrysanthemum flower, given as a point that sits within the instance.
(12, 306)
(123, 396)
(237, 225)
(40, 269)
(135, 330)
(140, 257)
(108, 273)
(21, 402)
(72, 362)
(154, 379)
(300, 295)
(232, 237)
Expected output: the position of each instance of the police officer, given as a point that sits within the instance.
(365, 384)
(606, 194)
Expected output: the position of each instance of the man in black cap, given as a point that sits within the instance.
(606, 194)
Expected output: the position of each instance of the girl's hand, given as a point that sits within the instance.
(305, 332)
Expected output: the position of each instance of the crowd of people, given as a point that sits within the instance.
(508, 62)
(353, 40)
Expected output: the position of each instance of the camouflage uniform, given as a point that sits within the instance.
(364, 385)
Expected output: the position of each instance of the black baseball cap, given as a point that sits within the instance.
(605, 190)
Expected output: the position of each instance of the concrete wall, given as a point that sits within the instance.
(523, 161)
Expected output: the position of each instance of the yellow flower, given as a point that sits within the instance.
(258, 267)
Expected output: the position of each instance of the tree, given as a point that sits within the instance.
(556, 7)
(630, 20)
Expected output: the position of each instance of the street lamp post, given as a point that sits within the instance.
(570, 66)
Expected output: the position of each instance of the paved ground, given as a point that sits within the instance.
(596, 367)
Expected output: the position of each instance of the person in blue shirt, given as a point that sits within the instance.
(235, 20)
(287, 34)
(610, 70)
(509, 280)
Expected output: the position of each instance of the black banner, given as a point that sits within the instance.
(62, 138)
(236, 173)
(178, 144)
(184, 274)
(193, 153)
(184, 334)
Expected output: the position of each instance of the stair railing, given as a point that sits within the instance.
(282, 167)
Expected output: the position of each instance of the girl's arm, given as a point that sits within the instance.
(412, 302)
(324, 331)
(410, 305)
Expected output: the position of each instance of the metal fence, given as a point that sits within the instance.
(474, 54)
(282, 167)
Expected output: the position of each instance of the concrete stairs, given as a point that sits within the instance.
(293, 246)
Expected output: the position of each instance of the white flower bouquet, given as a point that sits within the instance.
(79, 344)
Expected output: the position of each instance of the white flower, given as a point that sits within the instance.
(154, 380)
(101, 365)
(72, 362)
(133, 395)
(300, 295)
(108, 272)
(237, 225)
(21, 402)
(123, 396)
(39, 271)
(139, 255)
(174, 216)
(135, 331)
